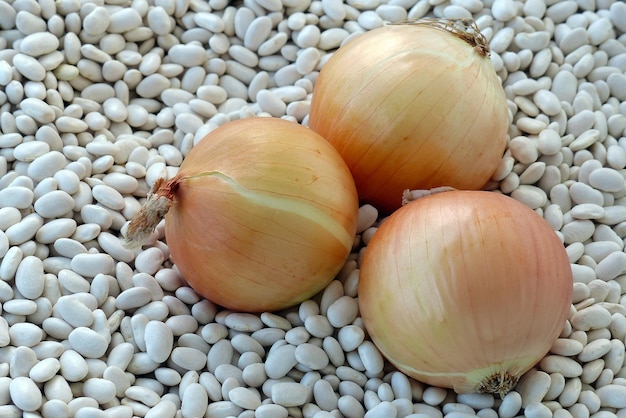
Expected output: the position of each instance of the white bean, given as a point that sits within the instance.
(101, 390)
(280, 361)
(614, 359)
(612, 396)
(592, 317)
(594, 350)
(534, 387)
(90, 265)
(29, 277)
(25, 394)
(343, 311)
(611, 266)
(54, 204)
(143, 394)
(194, 401)
(257, 32)
(606, 179)
(244, 398)
(288, 394)
(16, 197)
(557, 364)
(311, 356)
(371, 357)
(73, 369)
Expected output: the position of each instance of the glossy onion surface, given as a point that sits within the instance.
(465, 289)
(264, 214)
(411, 107)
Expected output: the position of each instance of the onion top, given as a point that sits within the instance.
(413, 106)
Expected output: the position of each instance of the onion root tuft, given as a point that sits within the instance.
(499, 383)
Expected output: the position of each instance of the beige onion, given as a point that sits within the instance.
(261, 215)
(465, 289)
(413, 106)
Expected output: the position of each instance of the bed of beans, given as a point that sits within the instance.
(100, 98)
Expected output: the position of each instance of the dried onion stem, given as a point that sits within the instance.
(160, 200)
(466, 29)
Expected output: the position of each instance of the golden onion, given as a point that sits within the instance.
(413, 106)
(261, 215)
(465, 289)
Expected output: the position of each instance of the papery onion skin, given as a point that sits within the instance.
(264, 215)
(465, 290)
(411, 107)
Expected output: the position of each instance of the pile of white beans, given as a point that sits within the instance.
(100, 98)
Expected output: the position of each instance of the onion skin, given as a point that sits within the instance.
(411, 107)
(465, 290)
(264, 215)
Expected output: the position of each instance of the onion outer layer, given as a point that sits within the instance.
(412, 106)
(465, 289)
(262, 214)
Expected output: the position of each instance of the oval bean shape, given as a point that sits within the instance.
(100, 99)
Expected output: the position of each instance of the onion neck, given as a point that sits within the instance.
(160, 200)
(464, 29)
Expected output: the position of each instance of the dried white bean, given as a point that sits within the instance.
(434, 395)
(280, 361)
(612, 396)
(566, 347)
(548, 102)
(318, 326)
(101, 390)
(73, 311)
(87, 342)
(343, 311)
(194, 401)
(557, 364)
(90, 265)
(592, 317)
(594, 350)
(54, 204)
(350, 337)
(188, 358)
(311, 356)
(143, 394)
(534, 387)
(244, 398)
(288, 394)
(25, 334)
(606, 179)
(25, 394)
(611, 266)
(614, 360)
(16, 197)
(29, 277)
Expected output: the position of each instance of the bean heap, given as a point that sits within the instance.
(100, 98)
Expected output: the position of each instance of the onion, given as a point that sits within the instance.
(261, 215)
(465, 290)
(413, 106)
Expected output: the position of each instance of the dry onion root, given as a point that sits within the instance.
(465, 289)
(420, 107)
(261, 215)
